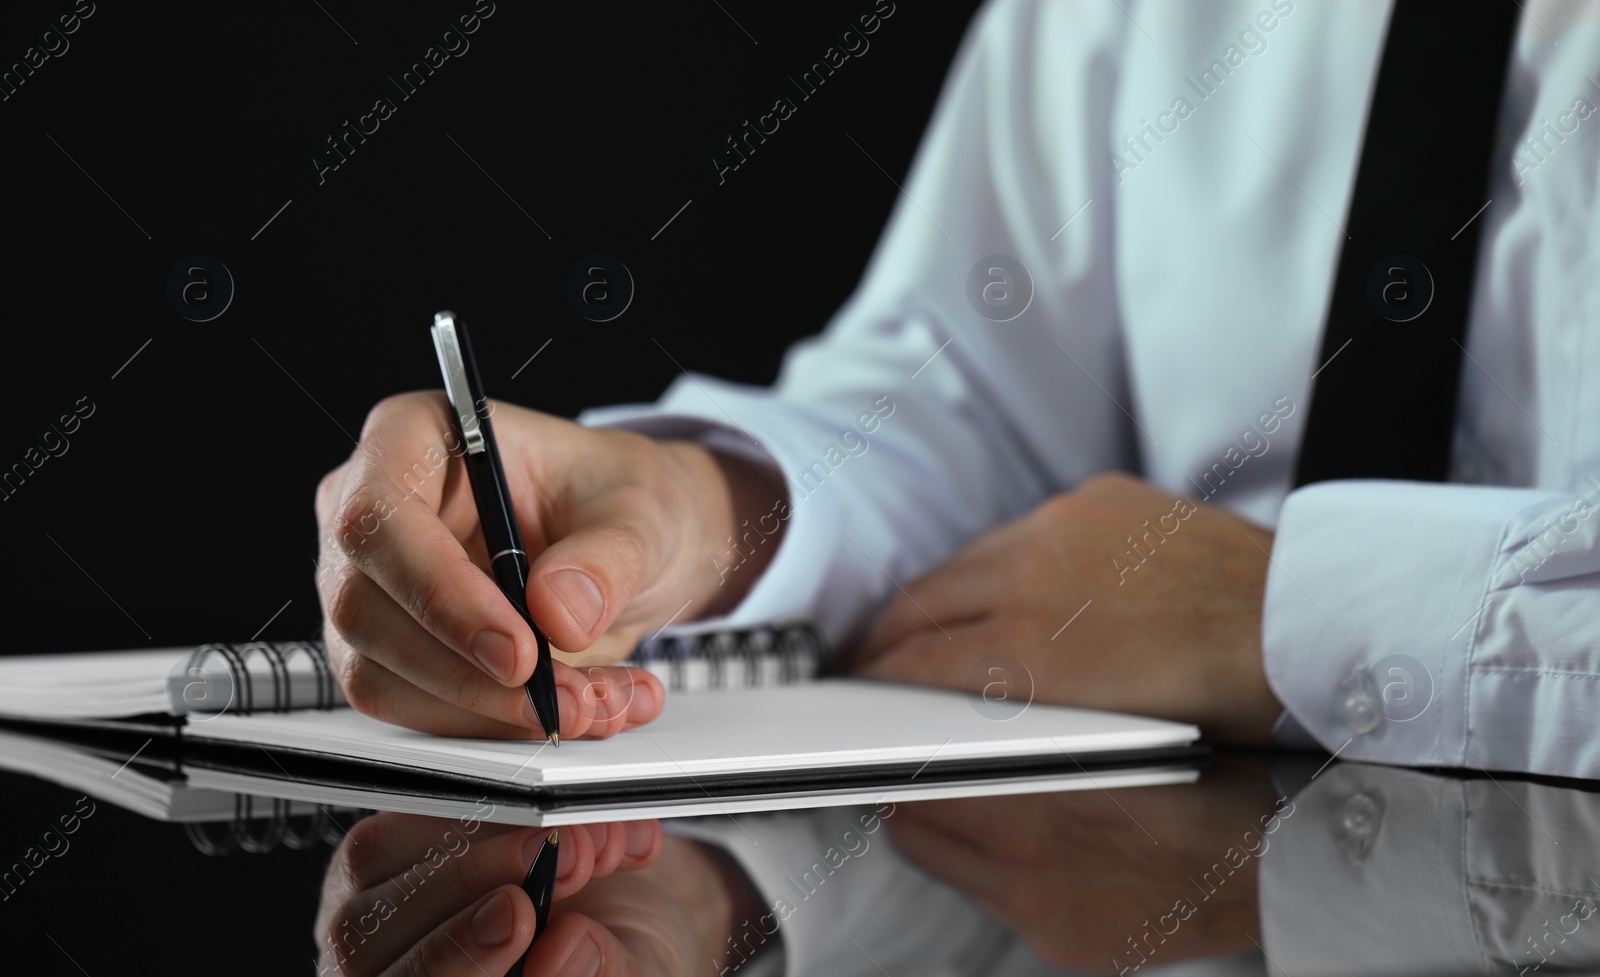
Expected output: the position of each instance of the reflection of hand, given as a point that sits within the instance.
(1178, 636)
(618, 527)
(1079, 875)
(665, 921)
(406, 894)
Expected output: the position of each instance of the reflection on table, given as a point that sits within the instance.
(1268, 865)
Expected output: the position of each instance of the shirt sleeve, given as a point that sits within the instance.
(1440, 625)
(1384, 870)
(919, 418)
(824, 873)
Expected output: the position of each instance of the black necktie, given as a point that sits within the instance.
(1384, 402)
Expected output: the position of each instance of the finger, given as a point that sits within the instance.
(967, 588)
(642, 693)
(594, 702)
(957, 816)
(615, 646)
(612, 698)
(435, 876)
(954, 858)
(387, 523)
(374, 690)
(577, 944)
(487, 937)
(642, 842)
(383, 845)
(931, 657)
(612, 546)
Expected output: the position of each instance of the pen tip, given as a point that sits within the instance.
(554, 838)
(556, 739)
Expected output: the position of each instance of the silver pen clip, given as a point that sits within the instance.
(454, 367)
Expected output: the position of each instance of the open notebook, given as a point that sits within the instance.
(801, 742)
(165, 684)
(818, 743)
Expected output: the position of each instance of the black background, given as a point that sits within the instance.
(181, 512)
(187, 494)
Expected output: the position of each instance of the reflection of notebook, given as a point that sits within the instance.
(151, 688)
(150, 786)
(146, 778)
(252, 802)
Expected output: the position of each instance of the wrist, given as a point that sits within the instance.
(730, 544)
(725, 900)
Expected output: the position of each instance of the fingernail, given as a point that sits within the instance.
(642, 704)
(496, 653)
(581, 596)
(491, 925)
(640, 838)
(584, 961)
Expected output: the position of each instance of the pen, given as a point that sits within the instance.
(508, 558)
(540, 885)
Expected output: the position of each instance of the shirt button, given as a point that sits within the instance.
(1357, 827)
(1362, 711)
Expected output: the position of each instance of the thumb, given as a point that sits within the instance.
(577, 944)
(584, 581)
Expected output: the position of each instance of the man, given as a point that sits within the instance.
(934, 478)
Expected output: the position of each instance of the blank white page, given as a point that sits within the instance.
(88, 685)
(843, 722)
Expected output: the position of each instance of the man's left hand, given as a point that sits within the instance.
(1163, 595)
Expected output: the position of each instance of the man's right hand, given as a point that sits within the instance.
(620, 530)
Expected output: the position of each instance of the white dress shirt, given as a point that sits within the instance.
(848, 904)
(1387, 871)
(1180, 285)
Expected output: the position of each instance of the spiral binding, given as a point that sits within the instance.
(775, 654)
(249, 833)
(278, 656)
(778, 654)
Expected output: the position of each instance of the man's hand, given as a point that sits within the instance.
(670, 919)
(1095, 884)
(1164, 597)
(414, 895)
(620, 528)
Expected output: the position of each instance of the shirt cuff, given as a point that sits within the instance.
(1370, 596)
(789, 857)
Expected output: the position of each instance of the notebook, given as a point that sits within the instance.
(150, 782)
(821, 743)
(161, 686)
(749, 726)
(436, 798)
(225, 809)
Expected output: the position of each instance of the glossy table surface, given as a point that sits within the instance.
(1269, 863)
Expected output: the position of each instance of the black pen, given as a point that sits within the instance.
(508, 558)
(540, 885)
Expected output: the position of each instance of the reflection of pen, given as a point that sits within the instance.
(540, 885)
(508, 558)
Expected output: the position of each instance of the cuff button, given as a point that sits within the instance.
(1362, 711)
